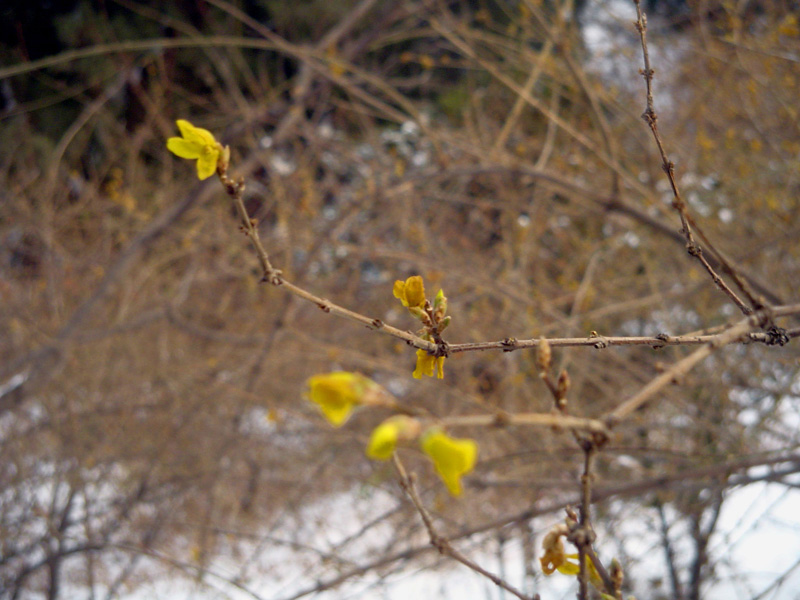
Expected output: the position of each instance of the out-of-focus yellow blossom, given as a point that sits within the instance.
(338, 393)
(386, 436)
(573, 568)
(426, 363)
(411, 292)
(555, 559)
(553, 546)
(198, 144)
(452, 457)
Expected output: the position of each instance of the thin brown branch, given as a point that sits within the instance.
(187, 567)
(680, 368)
(580, 76)
(734, 333)
(693, 248)
(235, 190)
(597, 342)
(139, 46)
(669, 551)
(449, 31)
(582, 534)
(604, 202)
(554, 420)
(441, 543)
(275, 277)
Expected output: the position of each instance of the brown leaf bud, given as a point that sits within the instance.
(617, 575)
(543, 355)
(562, 387)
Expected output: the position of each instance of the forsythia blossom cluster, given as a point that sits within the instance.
(452, 457)
(199, 144)
(338, 394)
(411, 293)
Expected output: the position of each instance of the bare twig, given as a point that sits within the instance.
(441, 543)
(235, 190)
(733, 333)
(582, 534)
(558, 421)
(669, 551)
(597, 342)
(687, 223)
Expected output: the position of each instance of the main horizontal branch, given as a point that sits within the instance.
(528, 419)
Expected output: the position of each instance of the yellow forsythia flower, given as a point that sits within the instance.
(197, 143)
(452, 457)
(385, 436)
(556, 559)
(338, 393)
(411, 292)
(554, 556)
(573, 568)
(426, 363)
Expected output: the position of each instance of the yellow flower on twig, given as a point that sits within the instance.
(556, 559)
(426, 363)
(338, 393)
(452, 457)
(199, 144)
(411, 292)
(386, 436)
(553, 546)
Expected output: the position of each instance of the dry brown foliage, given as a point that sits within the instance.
(153, 420)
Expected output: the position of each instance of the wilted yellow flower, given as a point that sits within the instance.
(411, 292)
(199, 144)
(452, 457)
(573, 568)
(338, 393)
(426, 363)
(554, 556)
(555, 559)
(386, 436)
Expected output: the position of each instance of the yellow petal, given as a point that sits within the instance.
(414, 291)
(426, 363)
(207, 164)
(568, 568)
(337, 394)
(180, 147)
(411, 292)
(550, 562)
(198, 135)
(398, 291)
(451, 457)
(383, 441)
(553, 546)
(386, 436)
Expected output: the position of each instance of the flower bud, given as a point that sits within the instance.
(543, 355)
